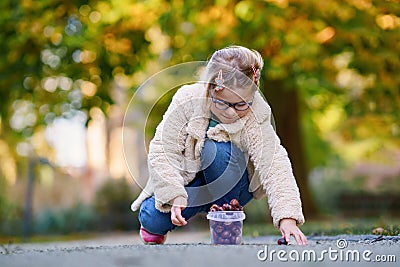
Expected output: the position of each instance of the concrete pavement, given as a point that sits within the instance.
(193, 249)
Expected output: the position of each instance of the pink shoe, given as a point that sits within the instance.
(151, 239)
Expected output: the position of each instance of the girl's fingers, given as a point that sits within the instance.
(298, 236)
(180, 217)
(298, 239)
(174, 220)
(287, 236)
(176, 217)
(303, 239)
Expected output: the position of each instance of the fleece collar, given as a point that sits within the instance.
(260, 108)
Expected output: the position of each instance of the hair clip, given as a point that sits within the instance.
(256, 73)
(219, 81)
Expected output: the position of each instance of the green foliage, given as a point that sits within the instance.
(257, 211)
(8, 212)
(327, 184)
(3, 200)
(112, 206)
(111, 211)
(337, 189)
(392, 230)
(78, 218)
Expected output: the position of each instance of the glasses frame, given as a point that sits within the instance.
(229, 104)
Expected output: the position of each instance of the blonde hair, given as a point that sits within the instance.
(238, 65)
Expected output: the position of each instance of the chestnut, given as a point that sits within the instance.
(282, 241)
(214, 207)
(226, 241)
(234, 203)
(215, 235)
(219, 229)
(237, 224)
(219, 223)
(227, 207)
(236, 231)
(226, 234)
(220, 240)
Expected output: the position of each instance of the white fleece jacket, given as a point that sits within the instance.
(174, 153)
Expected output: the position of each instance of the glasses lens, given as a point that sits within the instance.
(221, 105)
(241, 106)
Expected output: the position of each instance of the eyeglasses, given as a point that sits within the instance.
(224, 105)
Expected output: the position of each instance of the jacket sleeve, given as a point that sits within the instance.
(276, 175)
(165, 156)
(281, 187)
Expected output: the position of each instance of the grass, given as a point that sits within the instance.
(333, 226)
(46, 238)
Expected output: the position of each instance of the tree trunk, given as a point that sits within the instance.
(286, 111)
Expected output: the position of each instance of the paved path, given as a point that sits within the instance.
(194, 249)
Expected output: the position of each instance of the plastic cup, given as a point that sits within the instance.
(226, 227)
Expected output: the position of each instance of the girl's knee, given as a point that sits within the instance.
(145, 215)
(152, 220)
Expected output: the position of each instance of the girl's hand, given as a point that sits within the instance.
(178, 204)
(288, 227)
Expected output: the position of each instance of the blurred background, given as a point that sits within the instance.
(69, 68)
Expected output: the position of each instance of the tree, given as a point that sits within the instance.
(331, 67)
(303, 43)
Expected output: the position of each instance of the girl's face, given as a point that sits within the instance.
(230, 114)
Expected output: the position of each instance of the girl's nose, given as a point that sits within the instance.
(231, 112)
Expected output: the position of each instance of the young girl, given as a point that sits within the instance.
(216, 143)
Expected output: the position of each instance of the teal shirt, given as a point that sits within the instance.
(213, 121)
